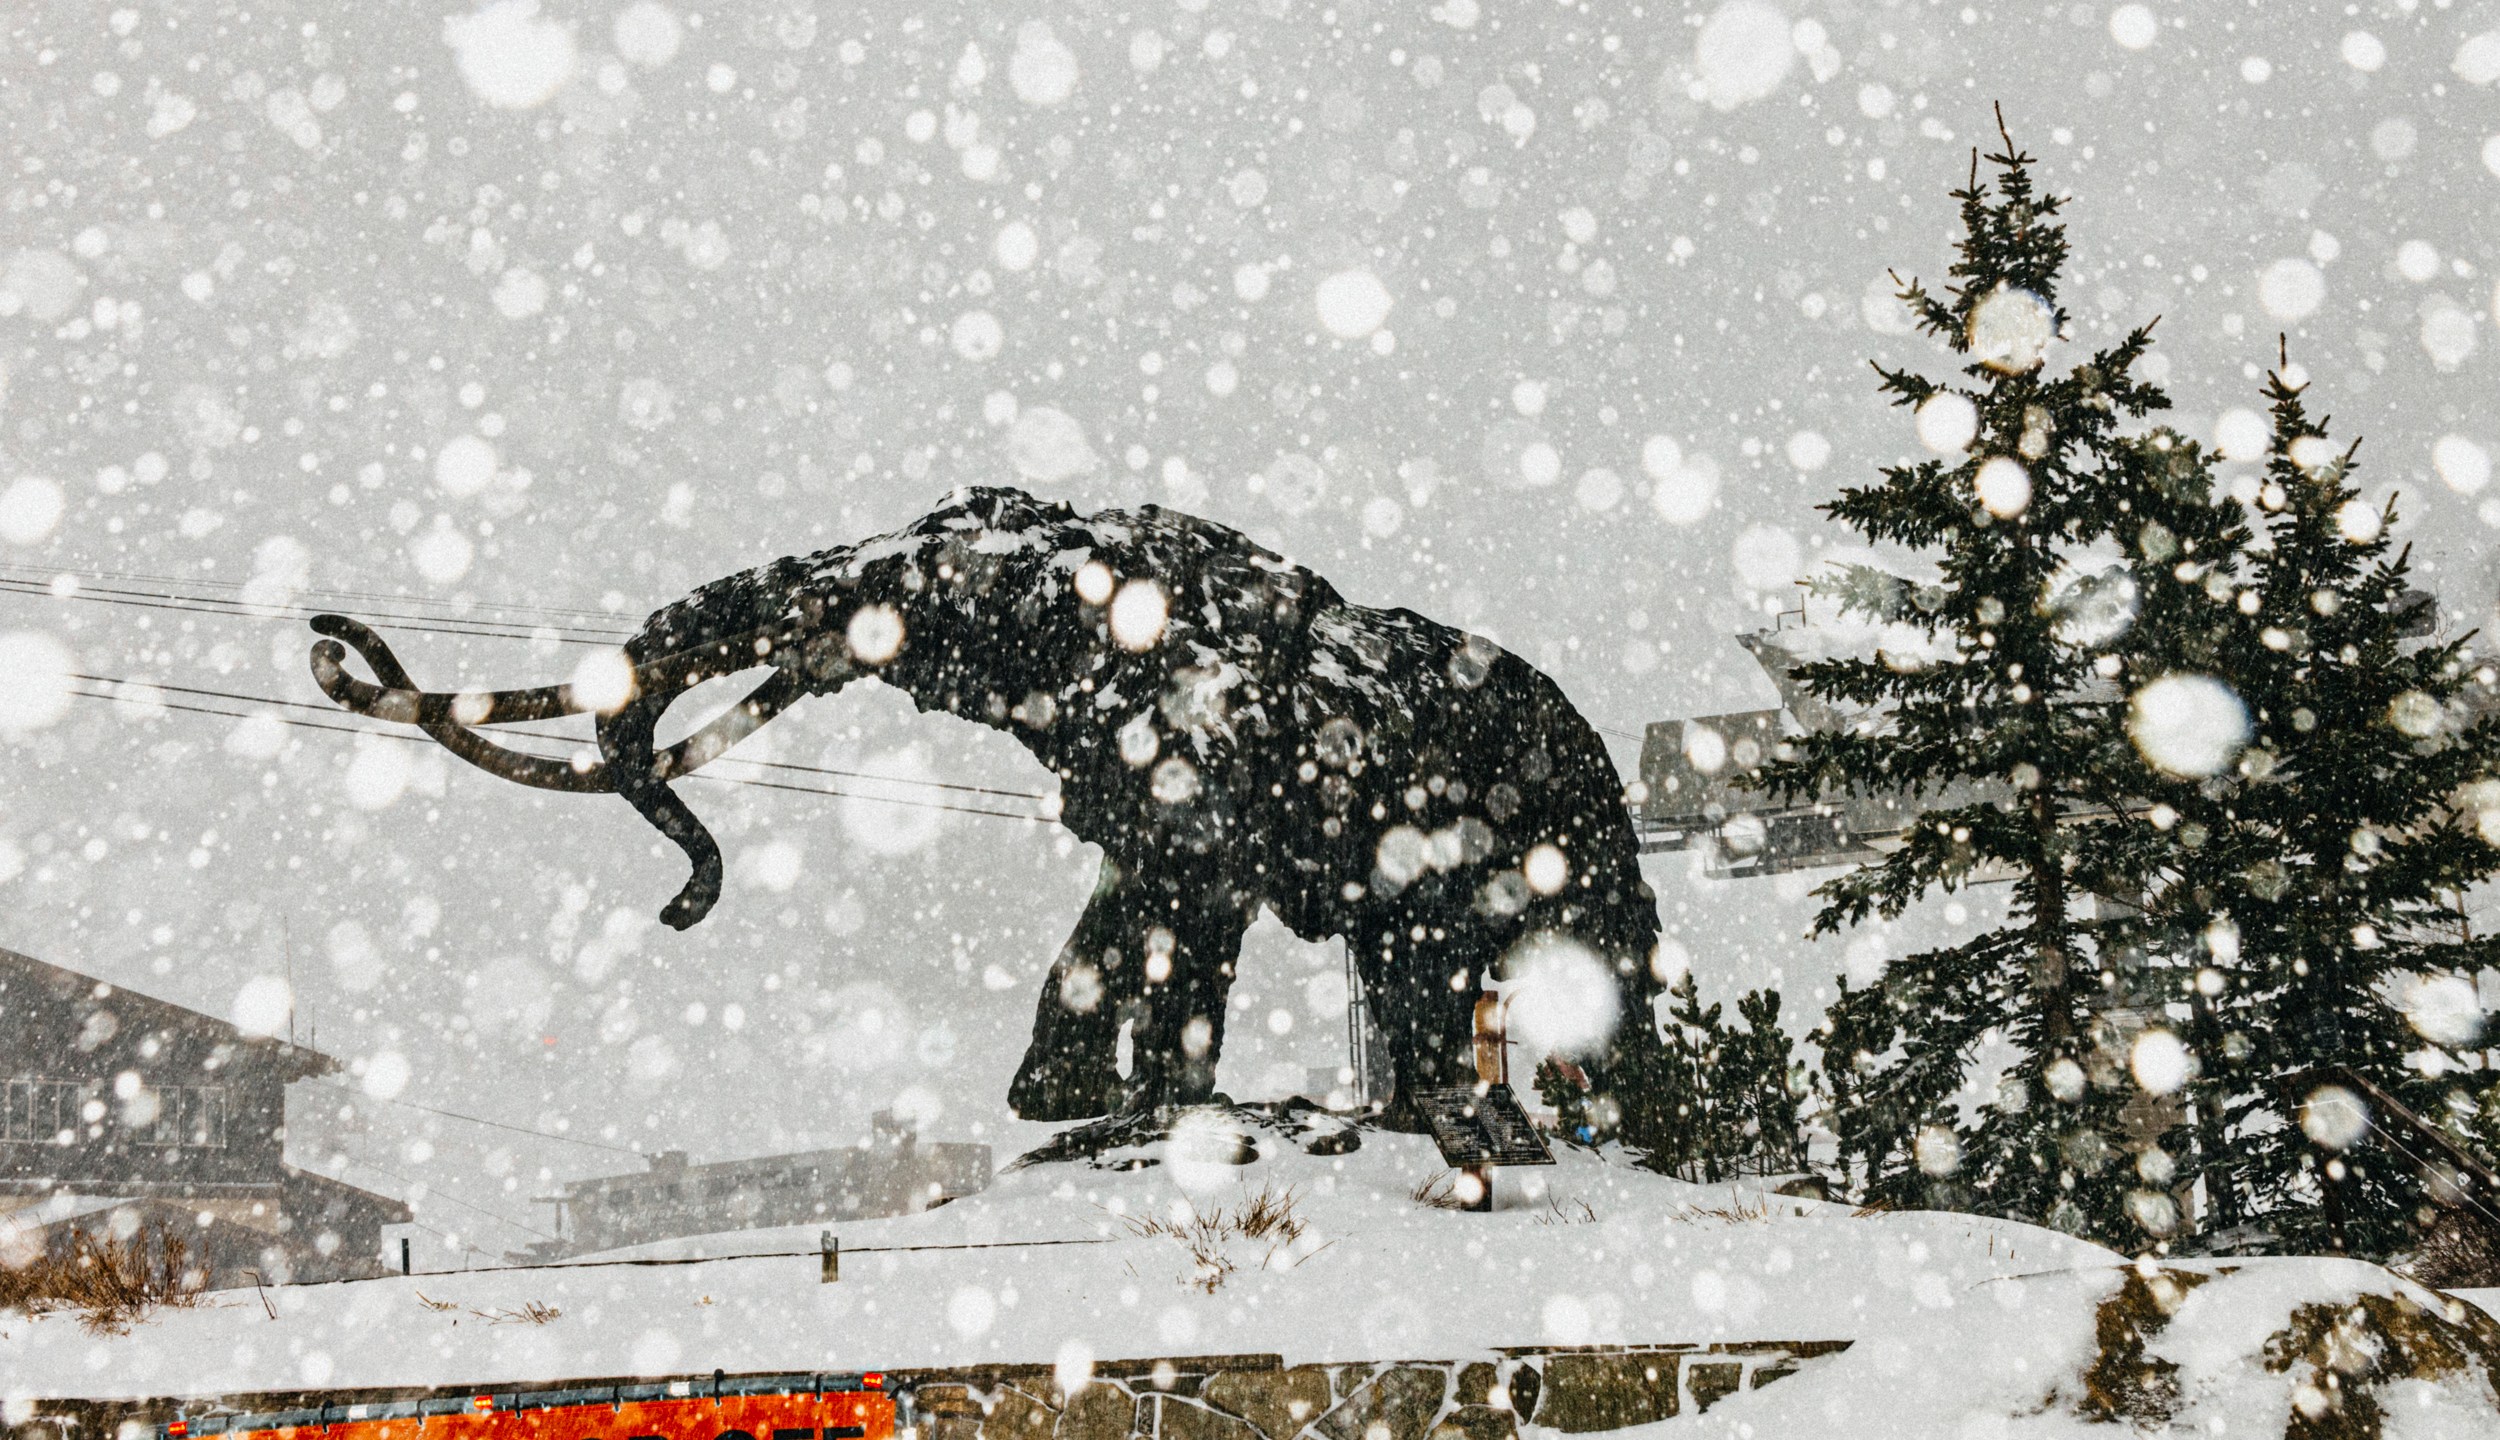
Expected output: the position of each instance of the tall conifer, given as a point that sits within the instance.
(2071, 554)
(2318, 895)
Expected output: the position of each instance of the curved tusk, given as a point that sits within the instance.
(398, 697)
(446, 716)
(329, 672)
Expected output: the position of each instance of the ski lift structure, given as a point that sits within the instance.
(1700, 778)
(1701, 783)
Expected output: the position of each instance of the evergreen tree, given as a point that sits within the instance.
(1761, 1078)
(1709, 1103)
(2318, 876)
(2070, 554)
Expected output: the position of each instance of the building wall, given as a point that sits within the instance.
(889, 1177)
(123, 1115)
(204, 1109)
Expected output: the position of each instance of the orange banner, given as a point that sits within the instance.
(682, 1410)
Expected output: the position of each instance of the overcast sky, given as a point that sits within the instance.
(543, 315)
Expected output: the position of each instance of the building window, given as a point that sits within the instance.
(188, 1116)
(39, 1112)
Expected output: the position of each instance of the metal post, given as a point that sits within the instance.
(404, 1267)
(1358, 1056)
(1492, 1057)
(829, 1251)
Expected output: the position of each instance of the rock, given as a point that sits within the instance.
(1341, 1142)
(1402, 1400)
(1477, 1422)
(1607, 1392)
(1526, 1386)
(1712, 1381)
(1277, 1402)
(1015, 1415)
(1188, 1420)
(1475, 1385)
(1099, 1412)
(956, 1401)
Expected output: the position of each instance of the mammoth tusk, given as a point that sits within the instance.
(398, 697)
(446, 715)
(403, 702)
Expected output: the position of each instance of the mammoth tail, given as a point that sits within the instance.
(631, 764)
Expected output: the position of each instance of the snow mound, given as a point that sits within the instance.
(1295, 1232)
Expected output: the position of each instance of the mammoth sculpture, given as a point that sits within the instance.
(1227, 729)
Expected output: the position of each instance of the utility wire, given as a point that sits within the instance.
(2464, 1190)
(329, 710)
(46, 576)
(437, 1193)
(503, 1125)
(154, 600)
(699, 775)
(236, 609)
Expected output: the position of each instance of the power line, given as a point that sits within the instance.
(328, 710)
(46, 576)
(164, 600)
(238, 610)
(437, 1193)
(699, 775)
(502, 1125)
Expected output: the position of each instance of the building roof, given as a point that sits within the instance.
(292, 1062)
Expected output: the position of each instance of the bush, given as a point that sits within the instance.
(109, 1283)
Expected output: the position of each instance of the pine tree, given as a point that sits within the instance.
(2011, 733)
(1767, 1088)
(1709, 1103)
(2325, 864)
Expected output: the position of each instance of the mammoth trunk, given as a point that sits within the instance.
(628, 749)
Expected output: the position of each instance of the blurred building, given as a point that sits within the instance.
(894, 1173)
(120, 1111)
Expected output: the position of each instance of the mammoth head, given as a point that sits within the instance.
(680, 648)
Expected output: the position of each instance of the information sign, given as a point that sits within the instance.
(1487, 1128)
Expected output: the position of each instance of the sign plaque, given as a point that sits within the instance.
(1478, 1129)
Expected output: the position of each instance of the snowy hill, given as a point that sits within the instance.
(1955, 1324)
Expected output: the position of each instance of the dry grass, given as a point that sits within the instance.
(1437, 1192)
(1737, 1211)
(532, 1312)
(1576, 1212)
(108, 1283)
(1266, 1219)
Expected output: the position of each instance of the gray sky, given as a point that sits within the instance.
(576, 306)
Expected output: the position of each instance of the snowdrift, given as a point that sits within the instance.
(1910, 1324)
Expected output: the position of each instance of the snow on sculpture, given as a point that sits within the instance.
(1226, 728)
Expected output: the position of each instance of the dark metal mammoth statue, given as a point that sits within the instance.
(1226, 728)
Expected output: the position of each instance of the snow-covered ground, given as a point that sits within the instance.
(1960, 1325)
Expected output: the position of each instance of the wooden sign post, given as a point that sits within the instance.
(1478, 1127)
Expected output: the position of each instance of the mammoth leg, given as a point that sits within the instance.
(1071, 1068)
(627, 747)
(1180, 1033)
(1426, 1022)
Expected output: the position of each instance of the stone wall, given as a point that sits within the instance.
(1258, 1397)
(1205, 1397)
